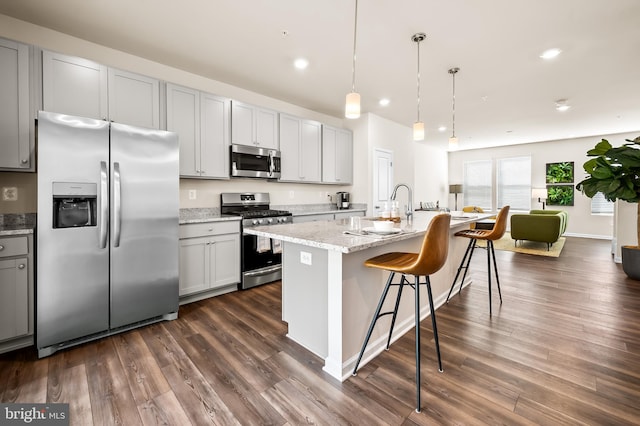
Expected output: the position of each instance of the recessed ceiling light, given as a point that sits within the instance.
(442, 128)
(301, 63)
(550, 53)
(562, 105)
(384, 102)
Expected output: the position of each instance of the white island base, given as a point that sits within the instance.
(329, 296)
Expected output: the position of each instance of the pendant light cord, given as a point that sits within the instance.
(453, 72)
(418, 44)
(353, 69)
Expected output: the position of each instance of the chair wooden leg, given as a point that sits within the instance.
(468, 252)
(417, 297)
(376, 315)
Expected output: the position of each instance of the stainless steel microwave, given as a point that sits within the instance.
(255, 162)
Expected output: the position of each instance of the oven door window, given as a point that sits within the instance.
(255, 257)
(257, 163)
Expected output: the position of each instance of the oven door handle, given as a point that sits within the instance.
(263, 271)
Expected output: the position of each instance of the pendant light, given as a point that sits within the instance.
(352, 104)
(453, 140)
(418, 126)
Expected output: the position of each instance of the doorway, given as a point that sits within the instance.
(382, 179)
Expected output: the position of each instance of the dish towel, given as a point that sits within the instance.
(263, 244)
(277, 246)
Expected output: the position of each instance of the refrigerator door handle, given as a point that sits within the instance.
(104, 204)
(117, 206)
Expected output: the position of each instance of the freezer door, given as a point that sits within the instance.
(144, 224)
(72, 282)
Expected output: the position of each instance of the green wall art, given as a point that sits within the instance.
(560, 195)
(560, 172)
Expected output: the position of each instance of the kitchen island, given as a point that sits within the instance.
(329, 296)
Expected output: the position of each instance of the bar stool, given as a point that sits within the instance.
(433, 254)
(488, 235)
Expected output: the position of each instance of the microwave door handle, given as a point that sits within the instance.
(271, 164)
(104, 204)
(117, 205)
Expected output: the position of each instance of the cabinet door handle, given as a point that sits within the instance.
(1, 248)
(25, 161)
(21, 266)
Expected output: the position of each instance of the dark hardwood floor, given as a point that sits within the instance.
(563, 348)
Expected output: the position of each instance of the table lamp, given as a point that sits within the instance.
(455, 189)
(540, 194)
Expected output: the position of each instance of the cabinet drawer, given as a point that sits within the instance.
(191, 230)
(13, 246)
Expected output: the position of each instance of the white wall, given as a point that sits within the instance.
(431, 170)
(581, 221)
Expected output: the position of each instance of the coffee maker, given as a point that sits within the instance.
(342, 200)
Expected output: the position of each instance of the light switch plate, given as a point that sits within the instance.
(9, 193)
(192, 194)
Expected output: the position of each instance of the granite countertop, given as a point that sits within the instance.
(330, 234)
(201, 215)
(17, 224)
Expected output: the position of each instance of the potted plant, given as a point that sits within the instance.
(615, 172)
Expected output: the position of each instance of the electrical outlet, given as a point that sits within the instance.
(192, 194)
(291, 194)
(9, 193)
(305, 258)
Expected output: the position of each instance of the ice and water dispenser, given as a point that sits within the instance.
(74, 204)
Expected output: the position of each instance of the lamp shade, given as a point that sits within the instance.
(352, 105)
(455, 189)
(418, 131)
(453, 142)
(540, 193)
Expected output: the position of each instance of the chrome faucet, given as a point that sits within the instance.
(409, 211)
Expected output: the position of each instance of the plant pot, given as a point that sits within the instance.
(631, 261)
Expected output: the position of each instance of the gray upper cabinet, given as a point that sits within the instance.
(252, 125)
(77, 86)
(300, 149)
(15, 140)
(337, 155)
(202, 123)
(134, 99)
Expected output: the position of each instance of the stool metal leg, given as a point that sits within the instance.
(403, 281)
(495, 268)
(376, 315)
(489, 272)
(469, 252)
(417, 289)
(433, 324)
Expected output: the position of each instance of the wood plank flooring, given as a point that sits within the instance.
(562, 349)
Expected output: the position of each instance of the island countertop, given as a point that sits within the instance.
(331, 235)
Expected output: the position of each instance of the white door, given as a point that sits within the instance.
(382, 178)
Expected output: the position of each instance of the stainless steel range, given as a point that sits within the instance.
(261, 256)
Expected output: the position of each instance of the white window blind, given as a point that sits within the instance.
(476, 187)
(514, 183)
(600, 205)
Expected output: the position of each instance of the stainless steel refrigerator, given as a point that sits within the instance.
(107, 229)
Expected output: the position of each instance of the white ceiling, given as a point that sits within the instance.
(505, 94)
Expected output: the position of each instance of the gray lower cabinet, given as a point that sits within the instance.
(16, 292)
(326, 216)
(209, 259)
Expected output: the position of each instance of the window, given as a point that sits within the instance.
(514, 183)
(476, 187)
(600, 205)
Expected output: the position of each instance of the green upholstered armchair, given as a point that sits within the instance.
(539, 225)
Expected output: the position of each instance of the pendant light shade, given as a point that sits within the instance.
(418, 126)
(352, 104)
(453, 140)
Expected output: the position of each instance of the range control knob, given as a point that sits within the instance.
(254, 222)
(269, 220)
(260, 221)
